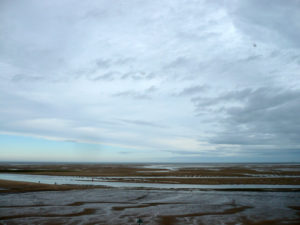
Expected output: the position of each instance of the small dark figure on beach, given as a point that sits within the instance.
(139, 221)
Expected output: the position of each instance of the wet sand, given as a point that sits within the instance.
(8, 186)
(154, 207)
(36, 203)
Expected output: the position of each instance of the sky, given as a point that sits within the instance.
(150, 81)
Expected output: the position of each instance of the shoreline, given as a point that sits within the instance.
(149, 176)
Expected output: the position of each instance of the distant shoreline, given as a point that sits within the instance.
(138, 163)
(156, 175)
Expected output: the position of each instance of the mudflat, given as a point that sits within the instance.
(8, 186)
(154, 207)
(38, 203)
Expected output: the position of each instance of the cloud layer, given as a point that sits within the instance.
(176, 79)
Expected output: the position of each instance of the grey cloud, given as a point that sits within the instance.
(132, 94)
(113, 69)
(231, 96)
(273, 22)
(93, 61)
(192, 90)
(125, 152)
(95, 14)
(124, 61)
(115, 61)
(101, 63)
(108, 69)
(15, 106)
(178, 152)
(265, 116)
(196, 37)
(251, 58)
(145, 94)
(26, 78)
(183, 68)
(151, 89)
(106, 76)
(142, 123)
(178, 62)
(138, 75)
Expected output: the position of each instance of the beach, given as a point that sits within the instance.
(159, 194)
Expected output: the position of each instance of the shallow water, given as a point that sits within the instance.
(46, 179)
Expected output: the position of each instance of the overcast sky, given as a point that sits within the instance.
(136, 80)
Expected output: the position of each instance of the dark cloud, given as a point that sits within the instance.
(231, 96)
(196, 89)
(264, 116)
(273, 22)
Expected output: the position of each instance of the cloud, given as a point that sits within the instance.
(166, 76)
(101, 63)
(138, 76)
(263, 116)
(105, 76)
(142, 123)
(193, 90)
(145, 94)
(26, 78)
(132, 94)
(274, 23)
(227, 97)
(44, 124)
